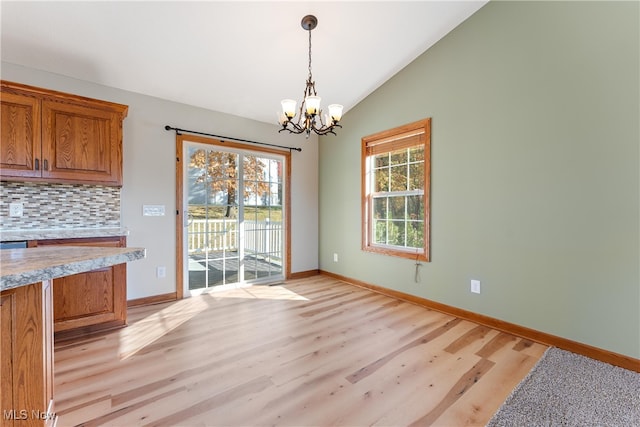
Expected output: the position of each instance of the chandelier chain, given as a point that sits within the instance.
(310, 77)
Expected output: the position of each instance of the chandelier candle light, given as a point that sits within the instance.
(310, 106)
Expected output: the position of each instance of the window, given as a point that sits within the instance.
(396, 169)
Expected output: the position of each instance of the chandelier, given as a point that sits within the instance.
(310, 115)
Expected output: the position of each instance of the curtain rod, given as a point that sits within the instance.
(178, 130)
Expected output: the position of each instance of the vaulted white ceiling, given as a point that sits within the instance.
(236, 57)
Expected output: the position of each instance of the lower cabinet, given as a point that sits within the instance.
(26, 356)
(91, 301)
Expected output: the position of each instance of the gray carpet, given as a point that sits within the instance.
(566, 389)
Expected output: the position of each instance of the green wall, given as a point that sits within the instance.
(535, 170)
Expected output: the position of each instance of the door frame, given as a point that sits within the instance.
(180, 207)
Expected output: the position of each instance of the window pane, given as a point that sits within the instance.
(396, 233)
(226, 194)
(256, 168)
(415, 208)
(276, 195)
(416, 153)
(197, 159)
(399, 178)
(275, 168)
(415, 234)
(381, 180)
(396, 207)
(278, 170)
(380, 208)
(251, 213)
(256, 191)
(212, 212)
(228, 161)
(381, 160)
(380, 232)
(416, 174)
(399, 157)
(275, 214)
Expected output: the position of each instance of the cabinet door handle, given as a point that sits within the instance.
(37, 164)
(46, 165)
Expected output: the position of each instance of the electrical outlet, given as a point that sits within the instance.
(475, 286)
(16, 209)
(161, 272)
(335, 257)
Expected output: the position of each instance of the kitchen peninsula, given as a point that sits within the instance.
(26, 323)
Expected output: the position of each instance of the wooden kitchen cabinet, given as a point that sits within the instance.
(92, 301)
(26, 325)
(57, 137)
(21, 137)
(26, 364)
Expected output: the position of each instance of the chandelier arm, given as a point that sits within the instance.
(296, 128)
(319, 130)
(291, 130)
(327, 129)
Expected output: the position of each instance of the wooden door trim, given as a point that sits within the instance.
(180, 141)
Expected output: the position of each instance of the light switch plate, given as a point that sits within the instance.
(152, 210)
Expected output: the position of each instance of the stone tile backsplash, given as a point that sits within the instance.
(47, 206)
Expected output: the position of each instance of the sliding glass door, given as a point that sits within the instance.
(234, 222)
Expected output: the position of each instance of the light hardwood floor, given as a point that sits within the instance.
(311, 352)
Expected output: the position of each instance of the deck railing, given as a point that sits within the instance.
(218, 235)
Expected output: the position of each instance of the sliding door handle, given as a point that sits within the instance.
(187, 218)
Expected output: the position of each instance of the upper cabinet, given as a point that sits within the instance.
(20, 127)
(57, 137)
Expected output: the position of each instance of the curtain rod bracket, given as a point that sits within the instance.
(222, 138)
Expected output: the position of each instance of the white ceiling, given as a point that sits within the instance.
(236, 57)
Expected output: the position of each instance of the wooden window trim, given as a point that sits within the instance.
(389, 140)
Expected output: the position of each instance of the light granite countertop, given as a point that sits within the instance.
(60, 233)
(19, 267)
